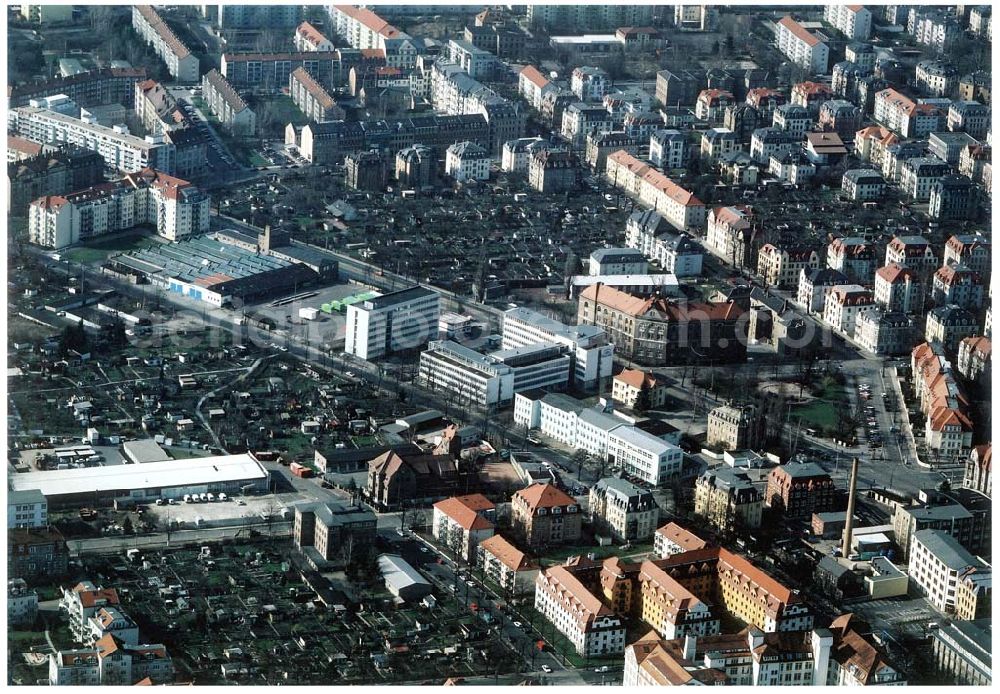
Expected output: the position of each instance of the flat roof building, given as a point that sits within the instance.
(165, 479)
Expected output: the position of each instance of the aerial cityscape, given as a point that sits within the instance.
(586, 345)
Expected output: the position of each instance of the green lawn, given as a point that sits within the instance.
(285, 111)
(824, 411)
(98, 251)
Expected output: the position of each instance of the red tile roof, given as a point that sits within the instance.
(464, 511)
(544, 496)
(894, 272)
(508, 555)
(636, 378)
(531, 73)
(681, 536)
(799, 31)
(311, 34)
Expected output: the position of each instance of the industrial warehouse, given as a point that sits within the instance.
(218, 268)
(98, 486)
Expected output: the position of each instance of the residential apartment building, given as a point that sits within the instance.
(843, 304)
(121, 151)
(668, 149)
(679, 207)
(533, 85)
(22, 603)
(953, 199)
(587, 344)
(156, 108)
(781, 266)
(905, 117)
(911, 251)
(970, 117)
(632, 385)
(936, 77)
(919, 175)
(543, 516)
(932, 27)
(323, 531)
(592, 627)
(670, 608)
(454, 92)
(461, 523)
(975, 358)
(589, 83)
(672, 539)
(811, 96)
(552, 171)
(727, 500)
(656, 331)
(328, 143)
(57, 173)
(467, 161)
(840, 655)
(793, 119)
(619, 508)
(948, 429)
(899, 288)
(799, 490)
(972, 250)
(802, 47)
(86, 89)
(364, 29)
(884, 332)
(513, 570)
(813, 283)
(581, 119)
(309, 38)
(230, 16)
(729, 229)
(402, 320)
(949, 325)
(396, 479)
(270, 71)
(979, 469)
(711, 105)
(182, 64)
(177, 209)
(733, 427)
(111, 663)
(476, 62)
(973, 593)
(959, 285)
(592, 18)
(27, 509)
(975, 162)
(863, 185)
(312, 98)
(36, 554)
(853, 21)
(227, 105)
(936, 562)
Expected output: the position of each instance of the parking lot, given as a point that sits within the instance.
(232, 511)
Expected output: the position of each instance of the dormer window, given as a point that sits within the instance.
(541, 512)
(571, 508)
(556, 510)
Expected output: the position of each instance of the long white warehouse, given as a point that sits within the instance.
(169, 478)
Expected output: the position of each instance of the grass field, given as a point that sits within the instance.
(824, 411)
(98, 251)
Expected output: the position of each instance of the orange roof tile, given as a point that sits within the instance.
(531, 73)
(799, 31)
(681, 536)
(636, 378)
(508, 555)
(543, 495)
(465, 514)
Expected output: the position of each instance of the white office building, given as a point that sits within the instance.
(397, 321)
(644, 456)
(592, 355)
(936, 561)
(27, 509)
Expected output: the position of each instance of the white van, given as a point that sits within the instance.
(187, 498)
(203, 497)
(211, 496)
(222, 496)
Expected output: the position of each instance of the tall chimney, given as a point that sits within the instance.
(849, 525)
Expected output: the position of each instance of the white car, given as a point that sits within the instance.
(546, 668)
(518, 625)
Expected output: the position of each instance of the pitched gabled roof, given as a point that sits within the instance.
(636, 378)
(508, 555)
(686, 539)
(799, 31)
(310, 33)
(464, 510)
(531, 73)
